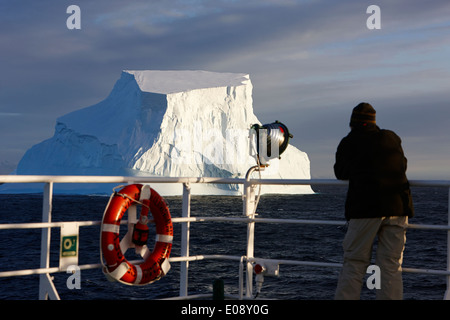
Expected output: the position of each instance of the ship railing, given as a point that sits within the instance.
(246, 262)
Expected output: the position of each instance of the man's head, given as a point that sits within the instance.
(363, 115)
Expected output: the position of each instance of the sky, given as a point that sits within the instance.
(310, 63)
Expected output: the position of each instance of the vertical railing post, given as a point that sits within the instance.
(185, 234)
(249, 212)
(447, 291)
(46, 287)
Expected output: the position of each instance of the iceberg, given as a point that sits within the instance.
(165, 124)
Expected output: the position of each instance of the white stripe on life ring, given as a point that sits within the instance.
(164, 238)
(119, 271)
(138, 274)
(108, 227)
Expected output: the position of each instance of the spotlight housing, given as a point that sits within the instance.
(271, 140)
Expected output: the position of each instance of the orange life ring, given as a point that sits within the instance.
(155, 263)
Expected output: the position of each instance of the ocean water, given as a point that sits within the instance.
(20, 249)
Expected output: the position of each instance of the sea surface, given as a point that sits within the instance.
(20, 249)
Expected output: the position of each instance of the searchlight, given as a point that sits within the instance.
(271, 141)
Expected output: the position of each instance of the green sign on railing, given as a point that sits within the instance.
(69, 246)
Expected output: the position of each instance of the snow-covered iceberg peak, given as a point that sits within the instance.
(164, 123)
(166, 82)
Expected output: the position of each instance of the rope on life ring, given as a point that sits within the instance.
(156, 262)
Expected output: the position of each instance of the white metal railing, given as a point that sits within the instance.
(48, 290)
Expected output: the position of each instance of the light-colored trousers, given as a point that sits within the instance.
(357, 247)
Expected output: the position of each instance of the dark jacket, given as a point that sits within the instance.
(373, 161)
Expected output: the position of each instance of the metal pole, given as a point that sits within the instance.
(241, 278)
(46, 287)
(249, 211)
(185, 233)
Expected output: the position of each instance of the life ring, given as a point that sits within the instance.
(155, 263)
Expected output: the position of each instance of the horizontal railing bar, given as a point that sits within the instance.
(262, 220)
(37, 225)
(207, 295)
(26, 272)
(206, 219)
(218, 180)
(205, 257)
(190, 297)
(334, 182)
(429, 226)
(114, 179)
(427, 271)
(339, 265)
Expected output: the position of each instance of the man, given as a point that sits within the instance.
(378, 204)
